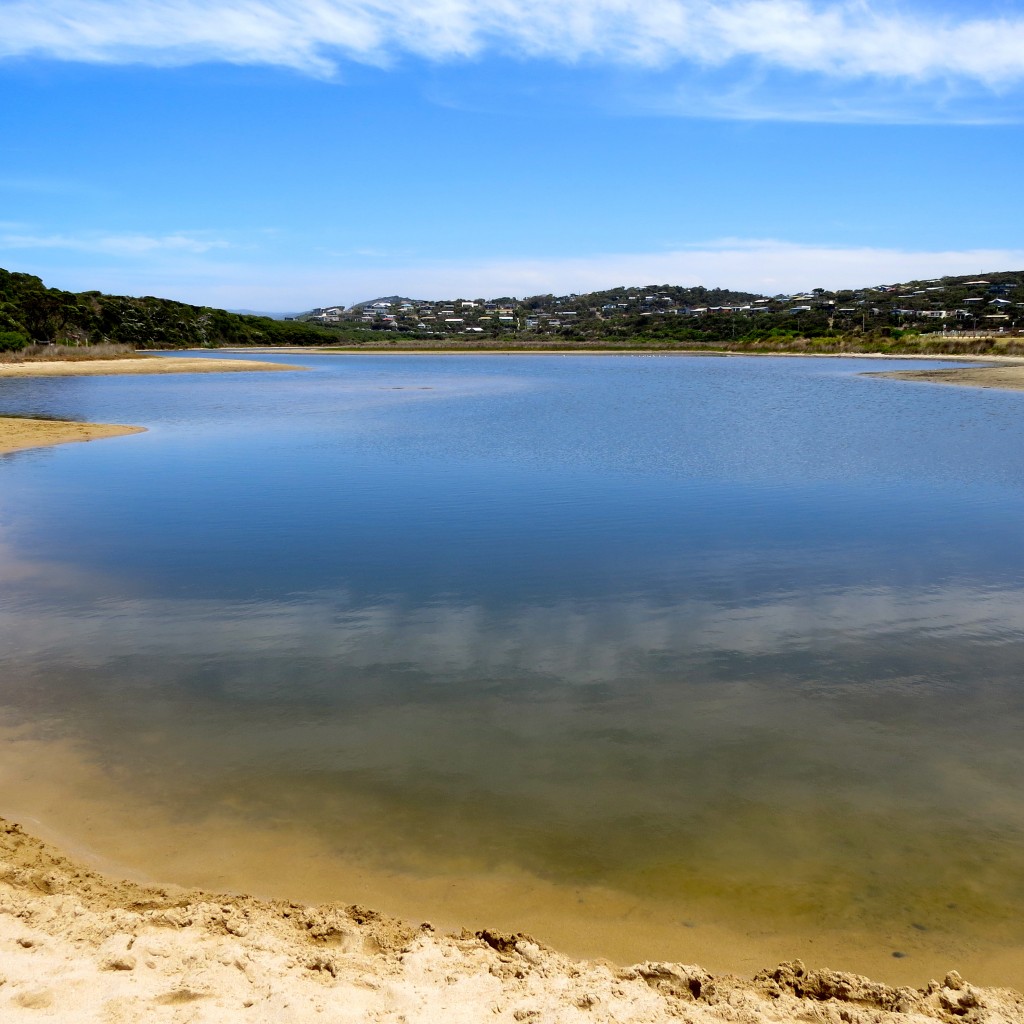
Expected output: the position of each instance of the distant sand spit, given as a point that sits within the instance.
(77, 946)
(17, 433)
(143, 365)
(1006, 377)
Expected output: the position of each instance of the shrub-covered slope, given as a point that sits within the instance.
(32, 313)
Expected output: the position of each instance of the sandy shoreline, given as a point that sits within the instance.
(330, 350)
(77, 946)
(19, 433)
(1002, 372)
(1005, 377)
(145, 365)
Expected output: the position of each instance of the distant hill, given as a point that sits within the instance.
(394, 299)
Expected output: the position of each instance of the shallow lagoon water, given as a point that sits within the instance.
(731, 642)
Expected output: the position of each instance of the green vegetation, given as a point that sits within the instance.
(31, 313)
(952, 315)
(948, 316)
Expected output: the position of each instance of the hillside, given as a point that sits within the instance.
(32, 313)
(942, 313)
(951, 314)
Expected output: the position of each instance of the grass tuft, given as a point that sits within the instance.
(69, 353)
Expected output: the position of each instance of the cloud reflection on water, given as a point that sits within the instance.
(871, 696)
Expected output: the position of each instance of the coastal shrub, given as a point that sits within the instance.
(12, 341)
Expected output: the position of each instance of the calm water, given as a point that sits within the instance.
(741, 639)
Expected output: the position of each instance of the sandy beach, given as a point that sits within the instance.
(143, 365)
(18, 433)
(76, 946)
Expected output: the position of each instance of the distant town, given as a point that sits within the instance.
(985, 304)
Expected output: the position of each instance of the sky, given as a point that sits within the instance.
(285, 154)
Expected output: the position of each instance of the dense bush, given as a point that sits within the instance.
(12, 341)
(35, 313)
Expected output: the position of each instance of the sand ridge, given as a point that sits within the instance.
(138, 365)
(78, 947)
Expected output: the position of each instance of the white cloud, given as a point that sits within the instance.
(839, 40)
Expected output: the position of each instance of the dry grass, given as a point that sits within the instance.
(68, 353)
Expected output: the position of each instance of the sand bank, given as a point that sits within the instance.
(143, 365)
(1006, 376)
(18, 433)
(77, 946)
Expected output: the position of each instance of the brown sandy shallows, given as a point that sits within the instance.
(18, 433)
(144, 365)
(1007, 377)
(78, 947)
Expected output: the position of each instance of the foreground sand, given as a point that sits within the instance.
(77, 947)
(1009, 377)
(17, 433)
(142, 365)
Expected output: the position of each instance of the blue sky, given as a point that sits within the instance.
(279, 155)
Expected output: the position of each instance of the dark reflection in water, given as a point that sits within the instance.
(745, 630)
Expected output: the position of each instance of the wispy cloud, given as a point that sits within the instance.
(845, 40)
(130, 245)
(41, 184)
